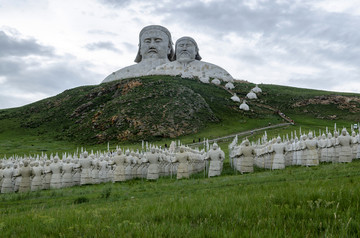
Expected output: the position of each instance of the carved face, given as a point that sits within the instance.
(154, 44)
(185, 50)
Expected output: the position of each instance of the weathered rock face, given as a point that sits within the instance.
(141, 109)
(342, 102)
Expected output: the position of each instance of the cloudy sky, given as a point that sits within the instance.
(48, 46)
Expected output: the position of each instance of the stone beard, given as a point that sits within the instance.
(185, 51)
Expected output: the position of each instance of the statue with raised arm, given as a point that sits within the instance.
(155, 48)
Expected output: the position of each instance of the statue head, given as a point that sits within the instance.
(344, 131)
(215, 146)
(186, 49)
(246, 142)
(278, 139)
(329, 135)
(310, 136)
(119, 152)
(154, 42)
(86, 154)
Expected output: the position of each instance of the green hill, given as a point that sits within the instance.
(163, 107)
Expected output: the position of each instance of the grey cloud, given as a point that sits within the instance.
(53, 78)
(14, 46)
(33, 76)
(102, 32)
(102, 45)
(130, 47)
(116, 3)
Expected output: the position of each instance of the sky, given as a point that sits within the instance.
(48, 46)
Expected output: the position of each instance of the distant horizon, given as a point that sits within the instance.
(48, 46)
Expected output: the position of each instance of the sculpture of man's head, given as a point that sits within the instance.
(186, 49)
(154, 43)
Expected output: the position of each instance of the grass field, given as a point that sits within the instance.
(296, 202)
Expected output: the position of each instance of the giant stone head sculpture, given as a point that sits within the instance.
(154, 42)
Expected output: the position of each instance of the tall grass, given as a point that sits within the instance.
(295, 202)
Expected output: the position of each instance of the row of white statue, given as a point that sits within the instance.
(40, 172)
(309, 150)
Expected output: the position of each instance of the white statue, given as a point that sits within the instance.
(229, 85)
(85, 163)
(216, 157)
(153, 169)
(7, 185)
(244, 106)
(17, 177)
(104, 168)
(323, 148)
(246, 162)
(256, 89)
(354, 144)
(279, 149)
(187, 61)
(119, 172)
(312, 156)
(345, 153)
(251, 95)
(183, 158)
(155, 48)
(235, 98)
(25, 173)
(37, 172)
(67, 174)
(47, 175)
(56, 170)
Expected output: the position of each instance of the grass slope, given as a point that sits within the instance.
(296, 202)
(160, 109)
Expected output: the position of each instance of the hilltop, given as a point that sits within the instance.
(157, 107)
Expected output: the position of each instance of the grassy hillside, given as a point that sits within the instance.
(162, 108)
(296, 202)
